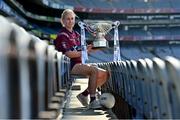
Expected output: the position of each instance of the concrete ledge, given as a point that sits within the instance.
(76, 87)
(73, 109)
(47, 115)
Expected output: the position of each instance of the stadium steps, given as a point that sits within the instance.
(73, 109)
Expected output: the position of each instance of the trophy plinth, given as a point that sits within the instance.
(100, 41)
(100, 44)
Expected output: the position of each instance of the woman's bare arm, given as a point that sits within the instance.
(73, 54)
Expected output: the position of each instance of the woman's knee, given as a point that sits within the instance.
(84, 69)
(75, 69)
(94, 70)
(103, 74)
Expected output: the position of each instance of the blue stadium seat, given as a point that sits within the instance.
(154, 110)
(118, 79)
(121, 79)
(143, 73)
(138, 101)
(122, 4)
(133, 76)
(160, 4)
(139, 4)
(173, 70)
(5, 82)
(27, 74)
(129, 83)
(161, 79)
(175, 3)
(40, 48)
(123, 64)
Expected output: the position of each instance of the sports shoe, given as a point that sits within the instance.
(95, 104)
(98, 94)
(83, 99)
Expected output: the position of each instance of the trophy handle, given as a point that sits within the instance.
(84, 56)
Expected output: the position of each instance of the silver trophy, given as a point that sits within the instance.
(100, 29)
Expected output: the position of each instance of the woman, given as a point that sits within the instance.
(68, 42)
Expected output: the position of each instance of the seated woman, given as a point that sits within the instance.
(68, 42)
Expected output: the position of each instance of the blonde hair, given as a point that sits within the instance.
(64, 13)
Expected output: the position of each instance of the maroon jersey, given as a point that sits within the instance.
(68, 41)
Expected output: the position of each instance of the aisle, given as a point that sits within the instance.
(75, 111)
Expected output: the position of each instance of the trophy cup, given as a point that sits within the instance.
(100, 30)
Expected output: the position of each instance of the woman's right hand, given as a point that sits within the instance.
(89, 48)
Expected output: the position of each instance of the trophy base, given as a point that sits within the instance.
(100, 44)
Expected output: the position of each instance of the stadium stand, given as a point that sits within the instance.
(124, 6)
(175, 3)
(146, 78)
(141, 35)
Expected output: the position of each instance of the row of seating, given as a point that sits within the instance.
(121, 3)
(139, 34)
(122, 6)
(33, 75)
(150, 86)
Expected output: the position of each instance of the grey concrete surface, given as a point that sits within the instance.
(75, 111)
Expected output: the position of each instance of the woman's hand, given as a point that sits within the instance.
(89, 48)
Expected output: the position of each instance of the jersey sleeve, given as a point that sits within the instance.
(61, 43)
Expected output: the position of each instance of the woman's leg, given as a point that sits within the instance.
(97, 77)
(87, 70)
(98, 74)
(102, 77)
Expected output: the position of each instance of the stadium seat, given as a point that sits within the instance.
(123, 66)
(120, 79)
(142, 75)
(129, 83)
(8, 64)
(27, 73)
(139, 4)
(173, 70)
(138, 91)
(133, 75)
(109, 83)
(40, 48)
(117, 79)
(175, 3)
(49, 74)
(59, 60)
(160, 4)
(161, 79)
(153, 101)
